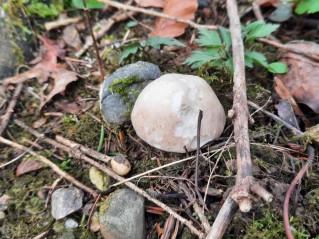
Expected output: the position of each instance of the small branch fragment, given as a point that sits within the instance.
(289, 48)
(61, 22)
(196, 207)
(6, 117)
(54, 167)
(156, 14)
(105, 26)
(294, 130)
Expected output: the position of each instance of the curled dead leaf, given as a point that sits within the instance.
(179, 9)
(302, 78)
(47, 68)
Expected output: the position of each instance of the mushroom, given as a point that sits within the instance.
(165, 113)
(120, 165)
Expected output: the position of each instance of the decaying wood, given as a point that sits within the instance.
(245, 183)
(76, 153)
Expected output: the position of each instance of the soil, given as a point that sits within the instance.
(75, 115)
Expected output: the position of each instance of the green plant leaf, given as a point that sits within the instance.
(277, 67)
(307, 6)
(229, 64)
(156, 42)
(256, 57)
(92, 4)
(209, 38)
(259, 29)
(248, 62)
(132, 24)
(199, 58)
(129, 50)
(225, 34)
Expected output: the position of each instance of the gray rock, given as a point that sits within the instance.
(120, 90)
(15, 45)
(71, 223)
(122, 215)
(65, 201)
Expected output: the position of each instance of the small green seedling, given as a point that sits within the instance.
(153, 42)
(216, 48)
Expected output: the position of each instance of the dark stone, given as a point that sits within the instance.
(119, 91)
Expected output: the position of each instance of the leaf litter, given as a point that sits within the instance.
(302, 79)
(47, 67)
(179, 9)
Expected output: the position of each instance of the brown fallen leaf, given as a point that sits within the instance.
(37, 124)
(72, 108)
(150, 3)
(302, 79)
(47, 68)
(28, 166)
(180, 9)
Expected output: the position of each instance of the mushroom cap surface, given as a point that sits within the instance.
(165, 114)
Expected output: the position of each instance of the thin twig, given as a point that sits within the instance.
(290, 48)
(105, 27)
(157, 14)
(183, 187)
(200, 117)
(6, 117)
(12, 160)
(76, 153)
(61, 22)
(102, 157)
(46, 161)
(87, 17)
(294, 130)
(297, 179)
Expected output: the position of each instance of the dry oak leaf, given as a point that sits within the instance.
(47, 67)
(179, 9)
(302, 79)
(150, 3)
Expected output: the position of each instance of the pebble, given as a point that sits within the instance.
(65, 201)
(122, 215)
(71, 223)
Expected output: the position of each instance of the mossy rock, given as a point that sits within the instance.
(119, 91)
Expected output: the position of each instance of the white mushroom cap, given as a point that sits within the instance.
(165, 114)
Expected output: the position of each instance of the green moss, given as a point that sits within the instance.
(270, 226)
